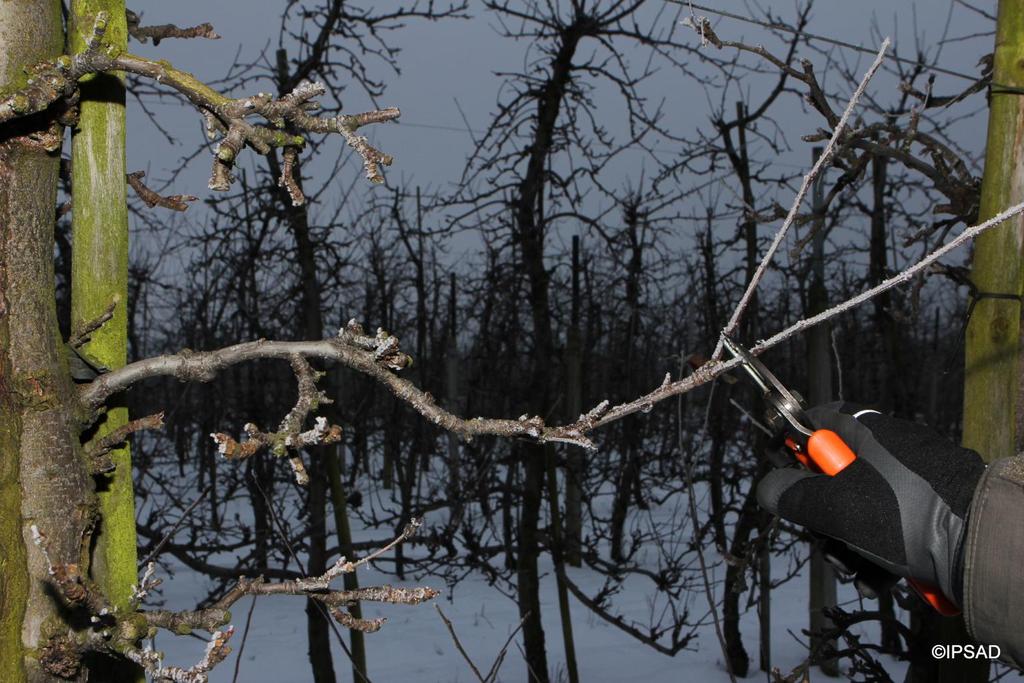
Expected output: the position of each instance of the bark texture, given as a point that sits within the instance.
(43, 478)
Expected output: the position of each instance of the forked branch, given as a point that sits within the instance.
(227, 119)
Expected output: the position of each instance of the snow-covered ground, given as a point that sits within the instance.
(414, 644)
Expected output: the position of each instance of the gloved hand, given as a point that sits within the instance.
(902, 504)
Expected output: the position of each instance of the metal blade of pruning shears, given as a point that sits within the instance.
(778, 397)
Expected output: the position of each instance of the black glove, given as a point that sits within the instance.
(902, 504)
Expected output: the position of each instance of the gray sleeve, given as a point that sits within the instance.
(993, 586)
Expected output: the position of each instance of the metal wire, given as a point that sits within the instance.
(825, 39)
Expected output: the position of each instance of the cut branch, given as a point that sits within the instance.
(81, 335)
(316, 588)
(116, 438)
(161, 31)
(174, 202)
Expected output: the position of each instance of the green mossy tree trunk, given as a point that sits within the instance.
(44, 483)
(99, 277)
(992, 402)
(993, 408)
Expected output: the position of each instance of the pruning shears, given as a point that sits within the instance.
(820, 450)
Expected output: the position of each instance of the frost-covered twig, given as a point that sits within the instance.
(289, 437)
(819, 165)
(898, 279)
(287, 118)
(147, 583)
(316, 588)
(216, 652)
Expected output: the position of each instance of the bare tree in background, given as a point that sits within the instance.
(628, 299)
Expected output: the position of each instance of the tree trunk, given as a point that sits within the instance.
(39, 418)
(819, 390)
(559, 559)
(527, 574)
(573, 537)
(312, 328)
(738, 660)
(888, 364)
(764, 599)
(992, 404)
(317, 625)
(340, 498)
(888, 386)
(530, 231)
(451, 389)
(99, 279)
(629, 464)
(993, 407)
(750, 329)
(716, 428)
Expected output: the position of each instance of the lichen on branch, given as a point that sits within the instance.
(286, 119)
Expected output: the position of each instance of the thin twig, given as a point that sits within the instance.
(81, 335)
(177, 525)
(839, 361)
(458, 644)
(798, 200)
(245, 637)
(898, 279)
(492, 673)
(776, 26)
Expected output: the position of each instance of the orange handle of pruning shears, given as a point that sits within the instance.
(827, 452)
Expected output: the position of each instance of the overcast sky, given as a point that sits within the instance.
(456, 60)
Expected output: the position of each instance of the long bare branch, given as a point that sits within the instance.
(376, 357)
(798, 200)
